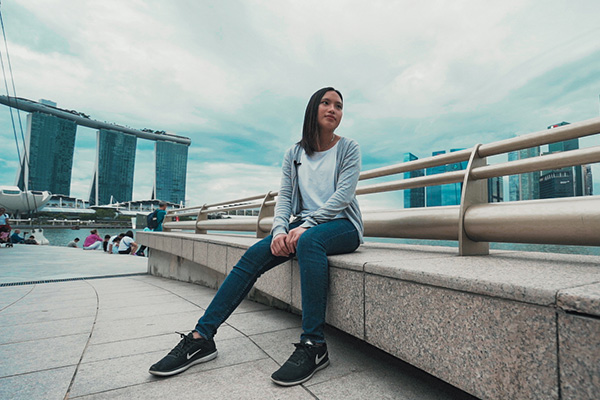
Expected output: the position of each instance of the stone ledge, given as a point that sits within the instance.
(497, 316)
(536, 278)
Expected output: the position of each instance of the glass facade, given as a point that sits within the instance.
(449, 194)
(524, 186)
(50, 143)
(413, 197)
(170, 171)
(115, 162)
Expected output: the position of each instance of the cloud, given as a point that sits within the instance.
(235, 76)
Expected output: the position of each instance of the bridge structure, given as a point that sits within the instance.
(495, 323)
(47, 160)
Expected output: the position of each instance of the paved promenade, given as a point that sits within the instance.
(94, 338)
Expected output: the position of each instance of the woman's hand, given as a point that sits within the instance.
(279, 245)
(293, 238)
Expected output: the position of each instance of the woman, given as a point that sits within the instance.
(319, 177)
(93, 241)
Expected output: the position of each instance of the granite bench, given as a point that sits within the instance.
(510, 325)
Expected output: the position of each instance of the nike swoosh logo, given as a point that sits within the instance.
(193, 354)
(318, 360)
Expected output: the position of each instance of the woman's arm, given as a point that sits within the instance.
(344, 192)
(283, 209)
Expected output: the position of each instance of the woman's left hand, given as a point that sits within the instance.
(294, 236)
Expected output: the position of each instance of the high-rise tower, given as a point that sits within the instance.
(48, 157)
(115, 162)
(170, 171)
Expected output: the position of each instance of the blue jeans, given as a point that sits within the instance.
(337, 236)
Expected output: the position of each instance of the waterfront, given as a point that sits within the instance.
(60, 237)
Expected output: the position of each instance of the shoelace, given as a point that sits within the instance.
(301, 353)
(182, 346)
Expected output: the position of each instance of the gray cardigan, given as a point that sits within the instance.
(342, 201)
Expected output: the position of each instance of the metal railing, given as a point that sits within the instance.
(475, 222)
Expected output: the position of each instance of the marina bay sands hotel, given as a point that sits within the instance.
(47, 161)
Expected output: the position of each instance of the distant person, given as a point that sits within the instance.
(113, 243)
(73, 243)
(4, 217)
(160, 215)
(16, 238)
(93, 241)
(105, 243)
(127, 245)
(31, 240)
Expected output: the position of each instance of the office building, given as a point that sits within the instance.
(170, 172)
(576, 179)
(557, 183)
(449, 194)
(588, 182)
(413, 197)
(113, 174)
(496, 189)
(48, 155)
(524, 186)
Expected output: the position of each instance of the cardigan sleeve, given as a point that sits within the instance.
(283, 209)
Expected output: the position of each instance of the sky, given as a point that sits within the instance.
(235, 77)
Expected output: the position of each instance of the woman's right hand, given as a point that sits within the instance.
(279, 245)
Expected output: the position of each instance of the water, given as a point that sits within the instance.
(60, 237)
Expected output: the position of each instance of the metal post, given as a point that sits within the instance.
(201, 217)
(473, 192)
(265, 211)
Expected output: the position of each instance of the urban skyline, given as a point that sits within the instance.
(481, 73)
(49, 145)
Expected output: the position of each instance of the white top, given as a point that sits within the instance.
(316, 178)
(3, 219)
(125, 243)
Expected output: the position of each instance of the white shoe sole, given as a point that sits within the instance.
(209, 357)
(298, 382)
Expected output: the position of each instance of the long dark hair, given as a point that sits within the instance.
(311, 129)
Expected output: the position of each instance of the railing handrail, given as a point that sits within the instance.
(473, 178)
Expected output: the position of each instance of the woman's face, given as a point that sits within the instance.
(330, 111)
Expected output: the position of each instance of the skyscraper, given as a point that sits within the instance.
(495, 189)
(48, 155)
(115, 162)
(448, 194)
(524, 186)
(170, 171)
(413, 197)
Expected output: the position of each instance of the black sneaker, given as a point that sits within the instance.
(307, 359)
(188, 352)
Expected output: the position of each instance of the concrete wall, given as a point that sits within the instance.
(508, 325)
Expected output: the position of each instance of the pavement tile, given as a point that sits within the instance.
(136, 327)
(246, 381)
(139, 311)
(252, 323)
(48, 385)
(146, 344)
(19, 358)
(118, 373)
(27, 332)
(15, 316)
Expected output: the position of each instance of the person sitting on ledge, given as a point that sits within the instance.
(16, 238)
(73, 243)
(127, 245)
(318, 183)
(93, 241)
(31, 240)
